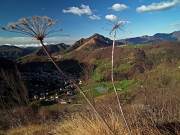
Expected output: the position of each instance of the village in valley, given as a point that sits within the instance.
(49, 85)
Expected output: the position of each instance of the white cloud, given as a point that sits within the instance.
(115, 20)
(158, 6)
(111, 17)
(26, 41)
(8, 44)
(118, 7)
(79, 11)
(94, 17)
(27, 45)
(124, 22)
(175, 25)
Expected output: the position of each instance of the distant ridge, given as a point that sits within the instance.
(14, 52)
(40, 56)
(174, 36)
(52, 49)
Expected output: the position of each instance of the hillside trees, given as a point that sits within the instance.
(141, 62)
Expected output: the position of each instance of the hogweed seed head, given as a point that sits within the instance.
(118, 24)
(47, 19)
(37, 27)
(11, 25)
(23, 21)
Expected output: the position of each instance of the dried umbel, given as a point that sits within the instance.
(37, 27)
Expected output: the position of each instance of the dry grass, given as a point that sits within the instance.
(31, 130)
(91, 125)
(144, 118)
(84, 123)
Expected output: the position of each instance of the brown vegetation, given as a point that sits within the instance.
(145, 114)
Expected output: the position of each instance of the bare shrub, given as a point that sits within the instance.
(14, 101)
(87, 72)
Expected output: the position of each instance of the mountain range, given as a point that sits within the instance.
(92, 43)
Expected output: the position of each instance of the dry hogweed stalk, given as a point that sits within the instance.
(39, 28)
(117, 24)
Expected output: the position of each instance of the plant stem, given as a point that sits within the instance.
(115, 90)
(89, 102)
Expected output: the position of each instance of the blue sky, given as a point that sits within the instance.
(83, 18)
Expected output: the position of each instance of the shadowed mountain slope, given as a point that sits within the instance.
(51, 49)
(14, 52)
(6, 63)
(40, 56)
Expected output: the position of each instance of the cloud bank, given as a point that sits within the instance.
(158, 6)
(27, 41)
